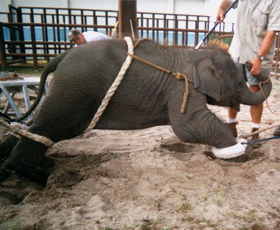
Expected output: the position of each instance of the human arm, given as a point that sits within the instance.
(225, 4)
(265, 47)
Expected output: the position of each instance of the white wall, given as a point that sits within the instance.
(190, 7)
(94, 4)
(156, 6)
(4, 6)
(40, 3)
(212, 7)
(160, 6)
(199, 7)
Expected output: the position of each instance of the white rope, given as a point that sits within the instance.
(114, 86)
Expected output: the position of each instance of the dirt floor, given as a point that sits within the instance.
(149, 180)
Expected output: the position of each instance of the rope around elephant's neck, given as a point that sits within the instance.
(178, 76)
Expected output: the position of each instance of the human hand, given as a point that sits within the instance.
(256, 66)
(220, 16)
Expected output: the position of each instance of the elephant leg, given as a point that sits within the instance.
(199, 125)
(27, 158)
(57, 123)
(205, 129)
(65, 119)
(7, 145)
(5, 150)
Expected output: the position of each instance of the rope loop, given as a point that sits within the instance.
(260, 85)
(19, 130)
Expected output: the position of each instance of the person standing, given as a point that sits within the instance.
(79, 38)
(254, 41)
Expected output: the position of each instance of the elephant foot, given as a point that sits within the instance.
(38, 173)
(7, 145)
(232, 151)
(4, 173)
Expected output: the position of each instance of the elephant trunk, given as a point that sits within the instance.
(249, 98)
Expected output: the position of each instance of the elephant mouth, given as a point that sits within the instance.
(212, 101)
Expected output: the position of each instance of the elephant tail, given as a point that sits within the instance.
(50, 67)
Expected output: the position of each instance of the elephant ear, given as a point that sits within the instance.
(206, 79)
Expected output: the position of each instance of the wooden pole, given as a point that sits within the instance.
(127, 18)
(115, 28)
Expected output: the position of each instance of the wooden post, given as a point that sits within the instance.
(3, 57)
(128, 18)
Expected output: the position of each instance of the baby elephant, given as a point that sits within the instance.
(149, 95)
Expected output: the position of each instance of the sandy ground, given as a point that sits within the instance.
(148, 179)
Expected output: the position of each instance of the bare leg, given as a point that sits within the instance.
(231, 121)
(232, 113)
(256, 115)
(256, 110)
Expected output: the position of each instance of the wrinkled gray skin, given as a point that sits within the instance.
(146, 97)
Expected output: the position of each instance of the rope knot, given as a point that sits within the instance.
(180, 76)
(15, 127)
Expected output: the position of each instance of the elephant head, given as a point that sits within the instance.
(222, 82)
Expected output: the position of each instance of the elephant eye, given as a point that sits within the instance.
(211, 70)
(214, 71)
